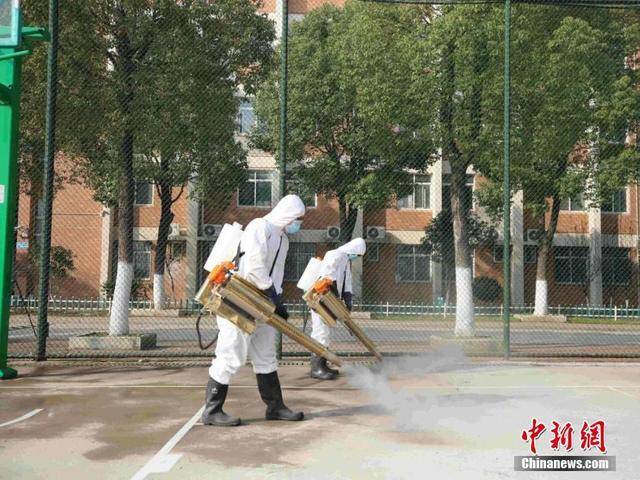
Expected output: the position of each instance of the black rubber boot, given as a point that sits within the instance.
(332, 370)
(214, 400)
(271, 393)
(319, 368)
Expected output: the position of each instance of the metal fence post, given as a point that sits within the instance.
(506, 186)
(47, 194)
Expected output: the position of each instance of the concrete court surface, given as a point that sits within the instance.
(451, 421)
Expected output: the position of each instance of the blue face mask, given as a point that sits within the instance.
(353, 256)
(293, 227)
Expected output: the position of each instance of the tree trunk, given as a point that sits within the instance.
(545, 245)
(119, 320)
(348, 217)
(465, 324)
(166, 217)
(464, 276)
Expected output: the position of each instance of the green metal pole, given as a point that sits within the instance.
(506, 186)
(282, 157)
(48, 174)
(9, 115)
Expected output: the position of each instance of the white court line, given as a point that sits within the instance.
(24, 417)
(164, 460)
(617, 389)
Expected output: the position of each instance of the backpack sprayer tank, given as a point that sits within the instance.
(227, 294)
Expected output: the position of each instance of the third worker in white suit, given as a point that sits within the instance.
(336, 265)
(263, 251)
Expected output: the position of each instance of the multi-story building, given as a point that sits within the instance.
(395, 268)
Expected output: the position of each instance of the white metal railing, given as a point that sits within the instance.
(100, 304)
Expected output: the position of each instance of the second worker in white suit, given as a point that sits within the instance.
(336, 265)
(263, 251)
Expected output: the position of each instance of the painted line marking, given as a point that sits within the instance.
(24, 417)
(164, 460)
(618, 389)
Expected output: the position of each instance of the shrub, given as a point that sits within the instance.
(486, 289)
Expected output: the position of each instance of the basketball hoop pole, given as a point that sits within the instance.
(10, 67)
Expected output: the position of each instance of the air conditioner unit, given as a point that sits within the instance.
(174, 231)
(211, 231)
(375, 233)
(533, 235)
(333, 233)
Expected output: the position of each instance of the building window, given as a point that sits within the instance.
(530, 253)
(246, 118)
(412, 264)
(575, 204)
(571, 264)
(144, 193)
(616, 266)
(373, 253)
(142, 260)
(419, 199)
(297, 260)
(467, 198)
(256, 190)
(616, 203)
(498, 254)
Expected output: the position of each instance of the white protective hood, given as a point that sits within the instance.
(357, 246)
(335, 264)
(288, 209)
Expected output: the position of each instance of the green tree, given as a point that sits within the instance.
(438, 241)
(189, 106)
(457, 58)
(353, 129)
(573, 101)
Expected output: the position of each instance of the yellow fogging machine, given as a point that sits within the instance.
(243, 304)
(321, 299)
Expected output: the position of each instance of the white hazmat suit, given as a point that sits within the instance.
(264, 246)
(336, 266)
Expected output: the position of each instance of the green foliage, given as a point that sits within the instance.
(139, 289)
(438, 239)
(486, 289)
(162, 71)
(61, 263)
(353, 128)
(573, 102)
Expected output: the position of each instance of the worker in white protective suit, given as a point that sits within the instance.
(336, 265)
(263, 250)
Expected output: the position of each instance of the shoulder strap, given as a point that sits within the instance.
(344, 280)
(276, 257)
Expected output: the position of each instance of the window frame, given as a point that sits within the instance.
(255, 182)
(570, 202)
(135, 193)
(625, 193)
(616, 268)
(297, 257)
(136, 256)
(242, 107)
(413, 255)
(411, 198)
(368, 255)
(572, 258)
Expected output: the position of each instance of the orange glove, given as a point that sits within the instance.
(219, 274)
(322, 286)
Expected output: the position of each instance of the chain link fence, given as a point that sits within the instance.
(177, 117)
